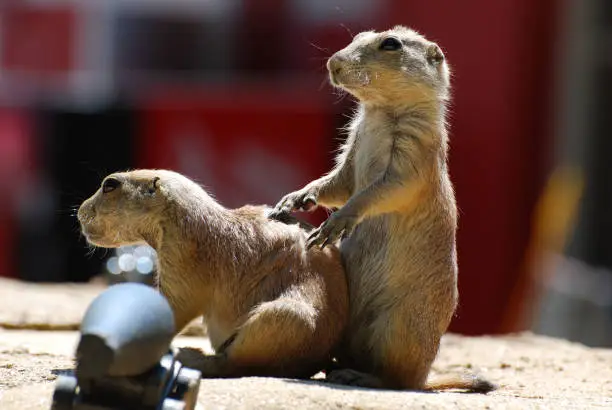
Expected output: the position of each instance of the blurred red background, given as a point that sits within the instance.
(233, 94)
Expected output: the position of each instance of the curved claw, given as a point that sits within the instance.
(285, 206)
(302, 201)
(335, 227)
(316, 238)
(277, 214)
(308, 204)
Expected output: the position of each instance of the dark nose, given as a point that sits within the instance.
(335, 64)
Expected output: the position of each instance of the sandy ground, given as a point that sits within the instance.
(533, 372)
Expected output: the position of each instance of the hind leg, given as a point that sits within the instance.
(278, 339)
(387, 355)
(349, 372)
(409, 374)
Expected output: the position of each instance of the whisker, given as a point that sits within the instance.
(90, 250)
(325, 50)
(324, 59)
(341, 96)
(323, 82)
(348, 30)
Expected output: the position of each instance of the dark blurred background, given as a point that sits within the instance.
(234, 94)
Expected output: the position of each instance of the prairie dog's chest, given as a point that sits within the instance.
(374, 142)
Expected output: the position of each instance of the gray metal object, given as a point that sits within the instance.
(124, 359)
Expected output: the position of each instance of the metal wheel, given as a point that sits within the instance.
(64, 393)
(172, 404)
(188, 386)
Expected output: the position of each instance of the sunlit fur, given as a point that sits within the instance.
(271, 306)
(397, 207)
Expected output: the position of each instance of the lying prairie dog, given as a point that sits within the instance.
(272, 306)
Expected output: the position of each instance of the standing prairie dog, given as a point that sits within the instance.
(397, 217)
(272, 306)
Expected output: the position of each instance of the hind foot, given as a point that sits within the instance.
(350, 377)
(211, 366)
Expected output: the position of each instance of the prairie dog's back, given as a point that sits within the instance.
(276, 272)
(283, 260)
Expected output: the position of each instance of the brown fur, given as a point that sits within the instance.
(397, 213)
(272, 307)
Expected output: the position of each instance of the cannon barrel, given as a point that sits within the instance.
(125, 332)
(124, 358)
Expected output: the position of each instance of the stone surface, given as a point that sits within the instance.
(44, 306)
(533, 372)
(36, 306)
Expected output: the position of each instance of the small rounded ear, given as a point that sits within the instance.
(434, 54)
(154, 185)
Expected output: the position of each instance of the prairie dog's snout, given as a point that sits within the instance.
(85, 215)
(334, 67)
(85, 211)
(90, 226)
(335, 64)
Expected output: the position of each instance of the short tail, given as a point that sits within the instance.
(473, 383)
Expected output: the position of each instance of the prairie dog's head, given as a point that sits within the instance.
(394, 66)
(122, 209)
(129, 207)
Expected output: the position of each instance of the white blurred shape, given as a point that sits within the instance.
(112, 265)
(127, 262)
(144, 265)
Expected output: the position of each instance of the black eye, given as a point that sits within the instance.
(390, 44)
(110, 184)
(154, 185)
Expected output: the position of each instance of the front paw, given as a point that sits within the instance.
(302, 200)
(190, 357)
(336, 226)
(210, 366)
